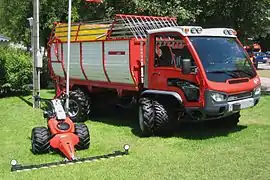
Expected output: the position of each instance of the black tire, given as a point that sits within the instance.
(146, 116)
(81, 102)
(40, 138)
(154, 118)
(82, 131)
(226, 122)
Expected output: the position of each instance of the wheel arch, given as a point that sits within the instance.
(162, 95)
(84, 88)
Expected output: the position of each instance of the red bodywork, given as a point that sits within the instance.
(64, 140)
(157, 76)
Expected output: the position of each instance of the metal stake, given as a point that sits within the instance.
(36, 51)
(68, 55)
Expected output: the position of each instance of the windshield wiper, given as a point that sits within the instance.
(230, 73)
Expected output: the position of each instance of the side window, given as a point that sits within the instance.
(183, 53)
(170, 50)
(164, 56)
(163, 53)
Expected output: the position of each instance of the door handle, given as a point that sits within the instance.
(156, 73)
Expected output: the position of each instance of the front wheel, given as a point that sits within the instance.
(40, 138)
(81, 130)
(154, 118)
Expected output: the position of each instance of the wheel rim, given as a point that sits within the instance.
(73, 109)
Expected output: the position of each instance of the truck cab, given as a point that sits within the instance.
(207, 71)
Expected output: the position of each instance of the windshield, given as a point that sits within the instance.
(223, 58)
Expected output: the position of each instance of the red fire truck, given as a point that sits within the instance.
(171, 73)
(250, 50)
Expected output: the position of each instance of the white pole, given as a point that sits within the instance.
(36, 54)
(33, 59)
(68, 55)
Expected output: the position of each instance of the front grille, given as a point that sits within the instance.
(240, 96)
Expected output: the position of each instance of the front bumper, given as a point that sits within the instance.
(216, 110)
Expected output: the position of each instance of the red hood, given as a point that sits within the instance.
(234, 88)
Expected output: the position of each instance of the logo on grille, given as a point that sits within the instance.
(232, 98)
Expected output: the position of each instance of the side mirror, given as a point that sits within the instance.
(186, 66)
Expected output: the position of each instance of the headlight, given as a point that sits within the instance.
(257, 91)
(218, 97)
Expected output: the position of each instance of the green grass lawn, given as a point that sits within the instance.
(195, 152)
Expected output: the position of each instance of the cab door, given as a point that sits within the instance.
(166, 53)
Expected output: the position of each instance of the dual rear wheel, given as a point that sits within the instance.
(79, 106)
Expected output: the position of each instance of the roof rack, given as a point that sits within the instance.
(123, 26)
(138, 25)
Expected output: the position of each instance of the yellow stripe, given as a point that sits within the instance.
(86, 32)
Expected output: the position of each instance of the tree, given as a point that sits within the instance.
(248, 17)
(16, 12)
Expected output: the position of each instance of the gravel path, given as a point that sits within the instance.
(265, 81)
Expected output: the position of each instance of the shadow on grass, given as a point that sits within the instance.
(43, 101)
(116, 117)
(200, 131)
(50, 91)
(15, 94)
(26, 100)
(192, 131)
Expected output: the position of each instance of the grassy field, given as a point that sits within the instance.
(194, 152)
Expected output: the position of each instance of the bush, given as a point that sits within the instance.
(15, 69)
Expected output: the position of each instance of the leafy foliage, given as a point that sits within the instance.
(2, 71)
(15, 67)
(250, 18)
